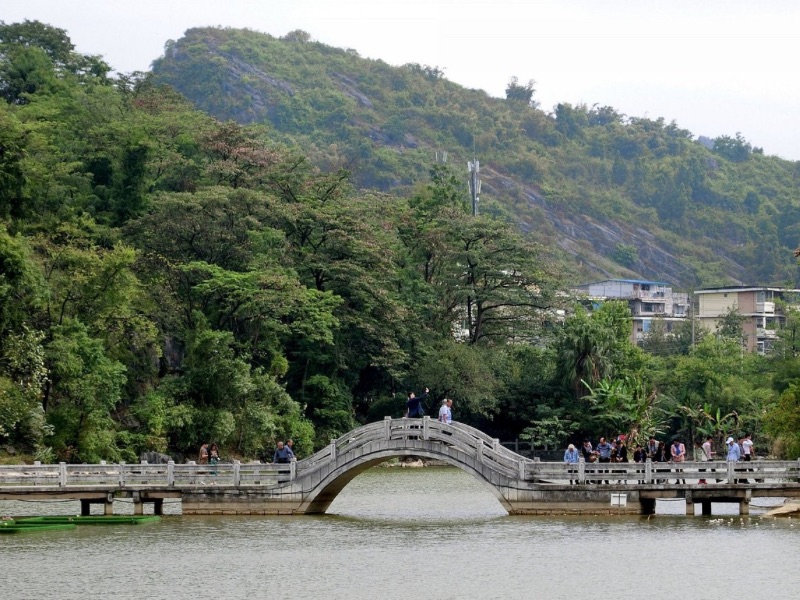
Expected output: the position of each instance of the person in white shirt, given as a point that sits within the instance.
(748, 450)
(445, 412)
(706, 454)
(747, 446)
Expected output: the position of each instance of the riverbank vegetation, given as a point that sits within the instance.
(168, 279)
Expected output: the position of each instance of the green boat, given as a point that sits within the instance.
(92, 520)
(8, 527)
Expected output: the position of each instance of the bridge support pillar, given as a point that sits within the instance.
(108, 507)
(706, 508)
(138, 505)
(647, 506)
(689, 504)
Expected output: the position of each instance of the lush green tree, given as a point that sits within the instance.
(596, 346)
(516, 92)
(783, 423)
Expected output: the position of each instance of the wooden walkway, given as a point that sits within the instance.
(523, 486)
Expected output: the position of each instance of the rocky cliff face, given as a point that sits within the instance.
(592, 240)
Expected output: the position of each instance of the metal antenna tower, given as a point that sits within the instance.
(474, 168)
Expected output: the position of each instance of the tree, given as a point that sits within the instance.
(522, 94)
(783, 423)
(627, 404)
(736, 149)
(595, 346)
(730, 326)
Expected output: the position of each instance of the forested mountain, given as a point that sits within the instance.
(169, 278)
(619, 196)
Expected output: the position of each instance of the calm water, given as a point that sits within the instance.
(413, 533)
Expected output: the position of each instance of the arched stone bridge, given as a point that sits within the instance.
(522, 486)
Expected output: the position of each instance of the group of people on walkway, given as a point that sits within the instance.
(659, 452)
(605, 452)
(415, 408)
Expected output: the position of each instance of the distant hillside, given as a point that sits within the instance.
(616, 196)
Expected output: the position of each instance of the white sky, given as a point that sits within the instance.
(714, 66)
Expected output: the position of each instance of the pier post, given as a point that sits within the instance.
(108, 506)
(689, 504)
(333, 449)
(171, 473)
(426, 425)
(138, 505)
(62, 474)
(479, 451)
(648, 471)
(744, 503)
(496, 444)
(581, 470)
(387, 427)
(237, 476)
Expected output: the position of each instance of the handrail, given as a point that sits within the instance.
(445, 438)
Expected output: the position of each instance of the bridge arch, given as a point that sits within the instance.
(321, 496)
(321, 477)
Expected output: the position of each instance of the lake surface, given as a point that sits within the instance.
(405, 533)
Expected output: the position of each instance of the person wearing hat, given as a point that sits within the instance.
(571, 457)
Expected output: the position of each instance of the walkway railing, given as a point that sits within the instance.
(758, 471)
(456, 442)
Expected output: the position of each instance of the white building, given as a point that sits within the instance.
(646, 299)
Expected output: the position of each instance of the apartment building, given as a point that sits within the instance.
(756, 304)
(647, 300)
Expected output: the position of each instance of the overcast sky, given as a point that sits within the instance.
(717, 67)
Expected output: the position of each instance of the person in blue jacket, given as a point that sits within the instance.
(572, 457)
(283, 454)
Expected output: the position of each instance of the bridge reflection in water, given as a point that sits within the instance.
(522, 485)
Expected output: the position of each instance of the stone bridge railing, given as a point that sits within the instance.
(455, 441)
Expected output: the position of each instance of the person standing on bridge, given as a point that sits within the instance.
(202, 458)
(282, 454)
(414, 405)
(445, 412)
(651, 449)
(213, 456)
(572, 457)
(734, 452)
(604, 453)
(678, 453)
(290, 446)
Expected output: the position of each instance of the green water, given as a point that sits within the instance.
(414, 533)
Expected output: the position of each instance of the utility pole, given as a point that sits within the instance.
(474, 167)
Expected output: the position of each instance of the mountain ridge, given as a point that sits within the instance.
(585, 180)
